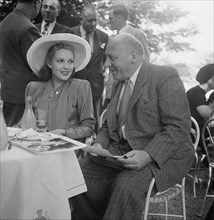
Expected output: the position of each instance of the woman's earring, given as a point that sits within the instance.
(50, 66)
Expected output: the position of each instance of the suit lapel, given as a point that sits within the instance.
(78, 31)
(54, 29)
(139, 85)
(39, 26)
(96, 41)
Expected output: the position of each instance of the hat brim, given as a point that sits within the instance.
(37, 53)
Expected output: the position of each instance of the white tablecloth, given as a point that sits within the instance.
(38, 185)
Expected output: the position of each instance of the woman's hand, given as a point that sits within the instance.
(59, 131)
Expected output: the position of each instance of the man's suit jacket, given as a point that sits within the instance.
(93, 72)
(140, 35)
(17, 33)
(158, 122)
(58, 28)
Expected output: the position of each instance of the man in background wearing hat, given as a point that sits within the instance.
(17, 33)
(197, 95)
(50, 11)
(199, 108)
(118, 17)
(97, 39)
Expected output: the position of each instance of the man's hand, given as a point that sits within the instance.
(135, 159)
(97, 145)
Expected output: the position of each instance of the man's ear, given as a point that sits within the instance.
(133, 56)
(34, 3)
(59, 11)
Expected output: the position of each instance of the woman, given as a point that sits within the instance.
(199, 107)
(197, 95)
(54, 58)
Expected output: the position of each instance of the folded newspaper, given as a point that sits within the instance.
(99, 151)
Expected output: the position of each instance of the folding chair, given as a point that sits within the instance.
(208, 143)
(165, 197)
(195, 134)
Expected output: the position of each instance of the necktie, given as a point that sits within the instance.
(87, 38)
(123, 108)
(45, 30)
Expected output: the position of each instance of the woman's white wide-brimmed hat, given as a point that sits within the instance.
(37, 53)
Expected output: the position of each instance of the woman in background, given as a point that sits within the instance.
(68, 101)
(199, 107)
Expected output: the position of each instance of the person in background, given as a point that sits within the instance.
(198, 104)
(148, 124)
(68, 101)
(17, 33)
(118, 17)
(210, 102)
(50, 11)
(93, 72)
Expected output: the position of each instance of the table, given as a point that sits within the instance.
(32, 185)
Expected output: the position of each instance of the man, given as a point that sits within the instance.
(94, 70)
(118, 16)
(153, 137)
(50, 11)
(17, 33)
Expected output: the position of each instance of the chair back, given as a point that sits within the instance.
(207, 137)
(208, 144)
(195, 133)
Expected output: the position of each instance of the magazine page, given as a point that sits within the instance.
(44, 142)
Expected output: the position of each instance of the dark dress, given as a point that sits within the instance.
(196, 97)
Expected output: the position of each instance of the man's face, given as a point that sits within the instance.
(118, 60)
(89, 20)
(211, 82)
(113, 20)
(38, 4)
(50, 10)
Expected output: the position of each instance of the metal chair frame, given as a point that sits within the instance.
(196, 134)
(205, 128)
(164, 197)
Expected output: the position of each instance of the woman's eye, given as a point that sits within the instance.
(59, 61)
(70, 61)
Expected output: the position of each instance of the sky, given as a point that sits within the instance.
(201, 13)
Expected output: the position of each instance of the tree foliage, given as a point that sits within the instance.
(158, 19)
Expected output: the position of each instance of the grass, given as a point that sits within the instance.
(193, 205)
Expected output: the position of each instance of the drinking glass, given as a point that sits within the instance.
(41, 120)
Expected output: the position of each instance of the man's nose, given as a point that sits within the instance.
(94, 23)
